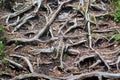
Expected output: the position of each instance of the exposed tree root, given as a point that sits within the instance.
(95, 64)
(98, 58)
(26, 60)
(113, 52)
(88, 24)
(100, 75)
(73, 51)
(64, 24)
(64, 40)
(102, 31)
(81, 59)
(82, 76)
(72, 27)
(15, 64)
(102, 59)
(33, 75)
(117, 63)
(47, 50)
(96, 7)
(25, 18)
(45, 28)
(3, 75)
(77, 43)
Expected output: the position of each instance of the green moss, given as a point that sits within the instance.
(117, 10)
(65, 55)
(116, 37)
(2, 2)
(1, 28)
(108, 36)
(3, 59)
(1, 44)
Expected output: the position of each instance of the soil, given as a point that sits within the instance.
(67, 44)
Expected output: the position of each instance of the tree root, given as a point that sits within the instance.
(26, 60)
(25, 19)
(61, 57)
(97, 8)
(72, 27)
(75, 36)
(24, 40)
(47, 50)
(98, 58)
(19, 22)
(102, 59)
(33, 75)
(46, 27)
(15, 64)
(58, 48)
(117, 63)
(81, 59)
(82, 76)
(4, 75)
(95, 64)
(77, 43)
(87, 19)
(73, 51)
(100, 75)
(63, 25)
(112, 53)
(102, 31)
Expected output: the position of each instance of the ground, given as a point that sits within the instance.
(52, 40)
